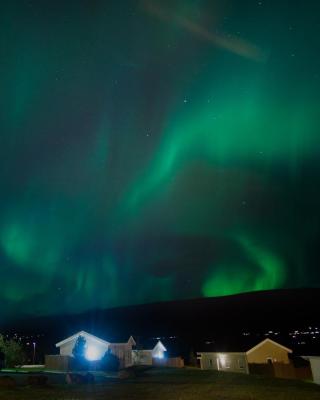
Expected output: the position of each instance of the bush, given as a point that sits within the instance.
(109, 362)
(12, 351)
(79, 354)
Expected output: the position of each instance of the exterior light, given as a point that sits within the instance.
(222, 359)
(92, 353)
(159, 354)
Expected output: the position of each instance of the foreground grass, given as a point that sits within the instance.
(171, 384)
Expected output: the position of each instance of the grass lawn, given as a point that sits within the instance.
(10, 370)
(174, 384)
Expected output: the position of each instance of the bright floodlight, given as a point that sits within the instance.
(222, 358)
(159, 354)
(92, 353)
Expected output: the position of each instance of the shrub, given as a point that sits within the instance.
(79, 353)
(12, 351)
(109, 362)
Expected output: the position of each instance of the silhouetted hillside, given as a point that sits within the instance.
(190, 319)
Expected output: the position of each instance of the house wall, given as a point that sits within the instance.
(229, 362)
(268, 351)
(157, 352)
(99, 348)
(66, 349)
(124, 353)
(142, 357)
(315, 368)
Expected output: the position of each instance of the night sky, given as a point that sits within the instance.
(155, 151)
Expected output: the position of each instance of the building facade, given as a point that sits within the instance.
(265, 352)
(96, 348)
(147, 357)
(230, 361)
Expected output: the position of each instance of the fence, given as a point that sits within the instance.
(174, 362)
(281, 370)
(58, 362)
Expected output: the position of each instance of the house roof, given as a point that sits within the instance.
(93, 337)
(172, 346)
(130, 341)
(268, 341)
(232, 346)
(159, 346)
(85, 335)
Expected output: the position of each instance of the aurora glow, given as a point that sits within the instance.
(156, 150)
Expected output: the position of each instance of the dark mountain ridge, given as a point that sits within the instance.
(285, 308)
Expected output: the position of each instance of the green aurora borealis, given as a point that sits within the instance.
(157, 150)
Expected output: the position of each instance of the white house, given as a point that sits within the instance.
(96, 348)
(145, 357)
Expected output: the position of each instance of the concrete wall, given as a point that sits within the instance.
(229, 362)
(267, 351)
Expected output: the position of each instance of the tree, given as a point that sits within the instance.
(192, 358)
(79, 352)
(79, 349)
(13, 352)
(109, 362)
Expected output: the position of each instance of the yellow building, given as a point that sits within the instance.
(268, 351)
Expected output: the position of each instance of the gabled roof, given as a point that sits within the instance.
(159, 346)
(235, 345)
(131, 341)
(268, 341)
(86, 335)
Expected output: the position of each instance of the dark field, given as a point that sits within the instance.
(166, 384)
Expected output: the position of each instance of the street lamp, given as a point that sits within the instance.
(34, 352)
